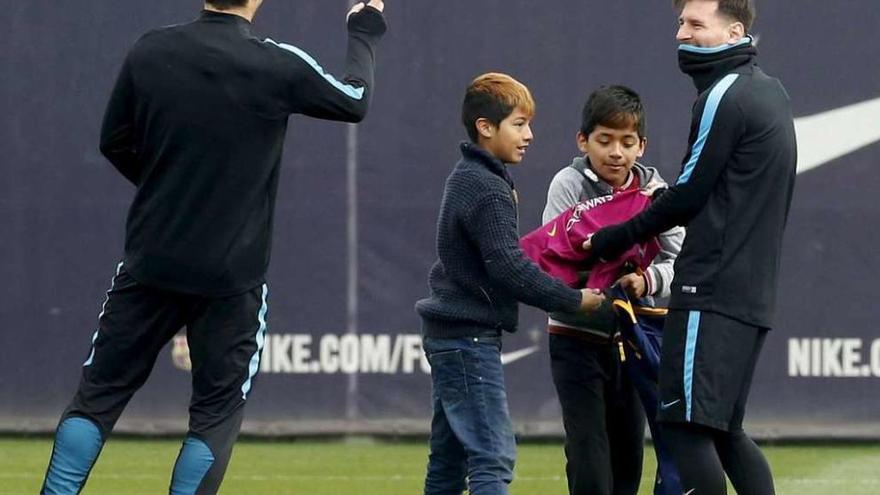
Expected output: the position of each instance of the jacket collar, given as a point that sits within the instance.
(475, 153)
(222, 17)
(707, 65)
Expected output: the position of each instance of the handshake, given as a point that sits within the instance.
(591, 299)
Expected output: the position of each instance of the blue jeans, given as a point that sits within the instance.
(472, 442)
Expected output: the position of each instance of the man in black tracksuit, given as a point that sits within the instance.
(197, 122)
(733, 195)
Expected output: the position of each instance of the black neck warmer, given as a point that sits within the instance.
(707, 65)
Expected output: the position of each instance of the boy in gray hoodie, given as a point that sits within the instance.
(604, 422)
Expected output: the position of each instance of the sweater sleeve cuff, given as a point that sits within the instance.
(574, 305)
(650, 282)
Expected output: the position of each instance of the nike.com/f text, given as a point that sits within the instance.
(345, 354)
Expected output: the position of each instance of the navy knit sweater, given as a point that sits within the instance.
(481, 272)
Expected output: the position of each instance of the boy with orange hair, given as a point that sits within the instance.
(475, 285)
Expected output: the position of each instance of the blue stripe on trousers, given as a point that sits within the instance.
(693, 330)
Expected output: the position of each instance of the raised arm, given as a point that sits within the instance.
(312, 91)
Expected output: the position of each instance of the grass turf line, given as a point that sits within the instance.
(135, 467)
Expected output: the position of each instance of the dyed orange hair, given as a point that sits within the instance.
(494, 96)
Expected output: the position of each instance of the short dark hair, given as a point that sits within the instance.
(616, 107)
(227, 4)
(494, 96)
(739, 10)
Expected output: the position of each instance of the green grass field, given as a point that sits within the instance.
(365, 467)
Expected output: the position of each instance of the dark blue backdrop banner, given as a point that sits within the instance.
(343, 353)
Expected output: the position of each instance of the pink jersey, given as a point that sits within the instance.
(556, 245)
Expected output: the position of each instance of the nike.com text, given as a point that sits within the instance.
(846, 358)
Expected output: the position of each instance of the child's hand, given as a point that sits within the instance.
(634, 284)
(591, 299)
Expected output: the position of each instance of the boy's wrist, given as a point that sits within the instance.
(650, 285)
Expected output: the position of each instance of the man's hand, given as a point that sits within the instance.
(376, 4)
(591, 299)
(587, 245)
(653, 187)
(634, 284)
(607, 243)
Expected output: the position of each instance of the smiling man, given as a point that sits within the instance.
(733, 195)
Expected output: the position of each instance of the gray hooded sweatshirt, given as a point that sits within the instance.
(578, 182)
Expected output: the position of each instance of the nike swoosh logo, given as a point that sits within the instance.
(509, 357)
(667, 406)
(552, 232)
(689, 492)
(826, 136)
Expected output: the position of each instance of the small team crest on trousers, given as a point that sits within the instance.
(180, 353)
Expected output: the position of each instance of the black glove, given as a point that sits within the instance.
(609, 243)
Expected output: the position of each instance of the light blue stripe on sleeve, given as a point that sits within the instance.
(101, 315)
(709, 111)
(715, 49)
(690, 349)
(347, 89)
(254, 365)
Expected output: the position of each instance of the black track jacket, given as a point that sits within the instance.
(734, 191)
(197, 122)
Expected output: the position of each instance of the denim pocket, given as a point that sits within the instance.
(449, 376)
